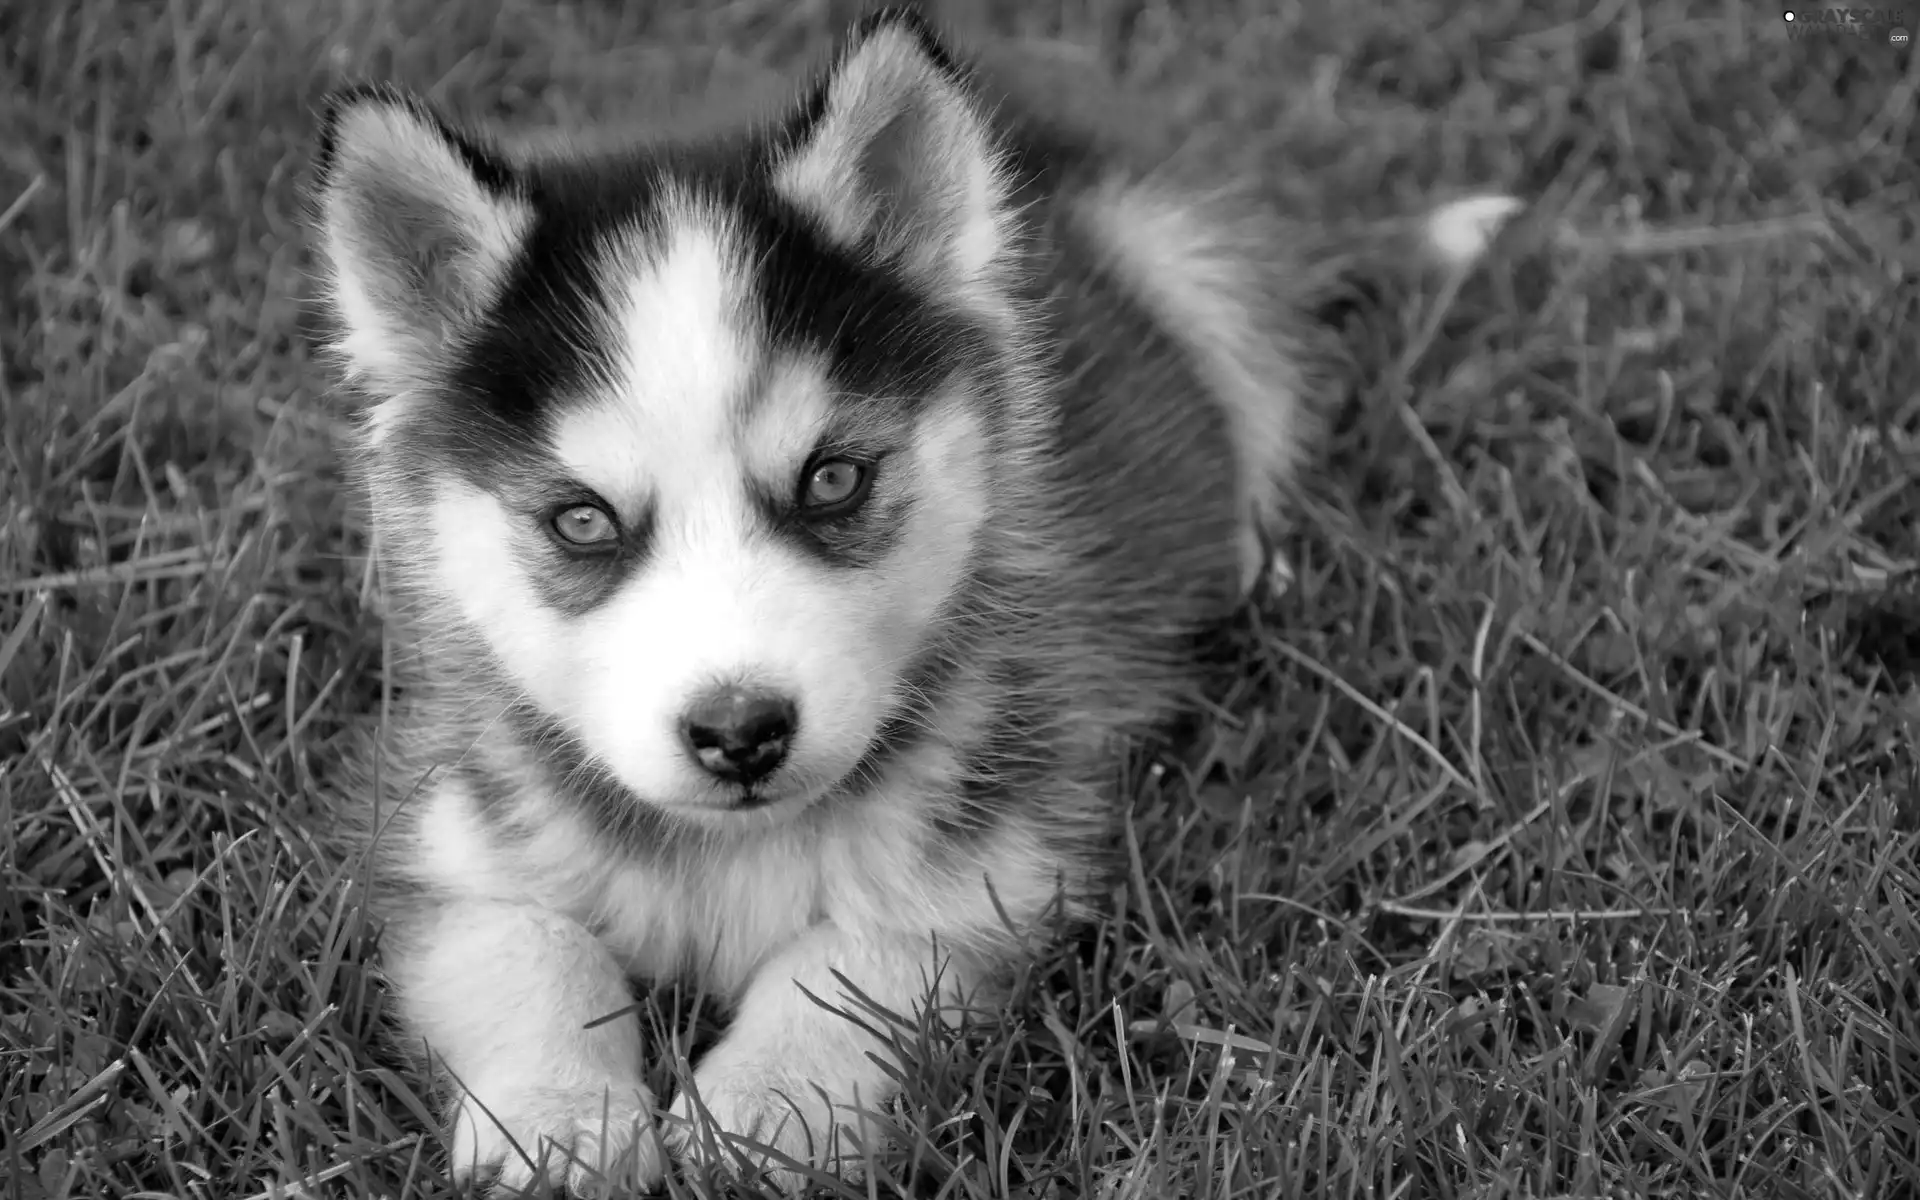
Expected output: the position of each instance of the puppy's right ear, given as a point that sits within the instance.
(418, 226)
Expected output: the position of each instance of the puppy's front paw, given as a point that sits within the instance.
(579, 1137)
(768, 1122)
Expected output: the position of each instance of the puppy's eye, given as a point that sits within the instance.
(585, 526)
(834, 485)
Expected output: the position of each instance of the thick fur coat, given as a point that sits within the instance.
(786, 532)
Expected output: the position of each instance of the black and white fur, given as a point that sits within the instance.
(786, 532)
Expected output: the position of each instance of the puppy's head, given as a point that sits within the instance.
(690, 445)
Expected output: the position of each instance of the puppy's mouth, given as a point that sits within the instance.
(749, 800)
(784, 793)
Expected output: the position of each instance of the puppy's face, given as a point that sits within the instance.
(695, 447)
(715, 557)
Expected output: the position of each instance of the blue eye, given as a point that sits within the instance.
(834, 483)
(585, 525)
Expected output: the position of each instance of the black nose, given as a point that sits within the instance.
(738, 735)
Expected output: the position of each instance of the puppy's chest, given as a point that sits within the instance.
(713, 921)
(711, 913)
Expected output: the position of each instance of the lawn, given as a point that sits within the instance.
(1557, 837)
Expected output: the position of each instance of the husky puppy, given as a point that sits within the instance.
(787, 530)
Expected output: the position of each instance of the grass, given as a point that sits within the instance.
(1558, 837)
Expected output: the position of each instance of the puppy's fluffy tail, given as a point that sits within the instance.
(1456, 235)
(1449, 238)
(1373, 266)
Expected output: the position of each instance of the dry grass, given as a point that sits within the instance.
(1559, 838)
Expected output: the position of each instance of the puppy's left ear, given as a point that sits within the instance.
(895, 158)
